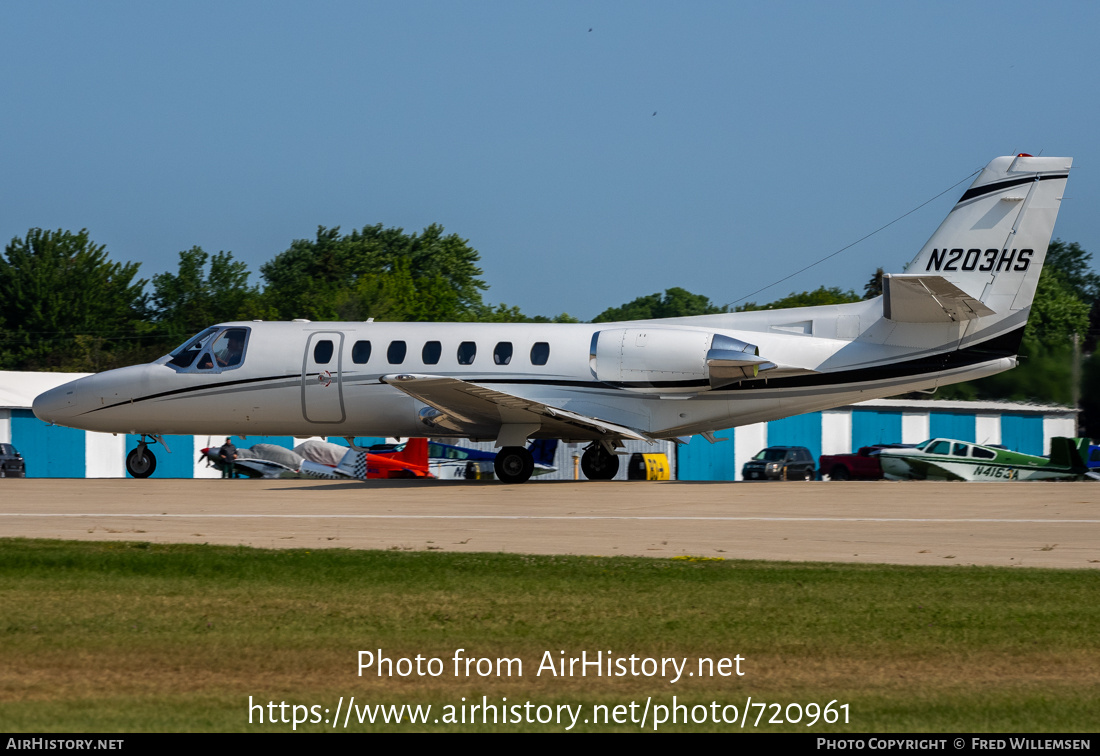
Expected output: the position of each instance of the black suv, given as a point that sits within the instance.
(11, 463)
(780, 463)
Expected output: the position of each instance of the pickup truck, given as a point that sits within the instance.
(863, 465)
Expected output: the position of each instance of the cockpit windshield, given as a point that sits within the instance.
(213, 350)
(185, 354)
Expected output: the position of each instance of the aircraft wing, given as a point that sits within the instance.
(921, 468)
(468, 405)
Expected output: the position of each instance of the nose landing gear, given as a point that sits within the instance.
(141, 462)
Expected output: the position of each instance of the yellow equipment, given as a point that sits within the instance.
(648, 467)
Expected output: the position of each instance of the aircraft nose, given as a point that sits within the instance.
(85, 402)
(55, 405)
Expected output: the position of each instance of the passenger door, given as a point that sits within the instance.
(322, 387)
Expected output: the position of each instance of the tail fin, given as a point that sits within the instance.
(991, 247)
(543, 451)
(415, 452)
(1070, 452)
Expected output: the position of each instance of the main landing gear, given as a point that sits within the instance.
(597, 463)
(514, 464)
(140, 462)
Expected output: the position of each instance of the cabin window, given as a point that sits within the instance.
(960, 450)
(502, 354)
(396, 353)
(540, 353)
(322, 352)
(981, 453)
(431, 352)
(467, 350)
(360, 353)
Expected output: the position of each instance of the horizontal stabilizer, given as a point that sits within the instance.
(921, 298)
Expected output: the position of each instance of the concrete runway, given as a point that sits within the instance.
(1006, 524)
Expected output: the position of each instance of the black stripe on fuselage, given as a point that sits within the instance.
(979, 191)
(1005, 345)
(193, 389)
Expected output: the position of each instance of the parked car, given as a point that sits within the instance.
(863, 465)
(11, 463)
(780, 463)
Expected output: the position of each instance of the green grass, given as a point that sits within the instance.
(142, 637)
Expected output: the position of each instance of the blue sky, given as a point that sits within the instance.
(591, 152)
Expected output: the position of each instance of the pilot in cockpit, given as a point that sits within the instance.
(229, 348)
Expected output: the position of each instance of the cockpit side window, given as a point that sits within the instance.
(213, 350)
(229, 347)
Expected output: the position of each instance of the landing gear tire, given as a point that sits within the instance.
(598, 464)
(514, 464)
(140, 462)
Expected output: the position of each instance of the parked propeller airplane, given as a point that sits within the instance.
(407, 460)
(957, 314)
(949, 459)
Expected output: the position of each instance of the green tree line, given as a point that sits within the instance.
(65, 305)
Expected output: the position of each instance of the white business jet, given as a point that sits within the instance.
(957, 314)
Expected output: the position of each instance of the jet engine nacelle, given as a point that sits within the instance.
(671, 360)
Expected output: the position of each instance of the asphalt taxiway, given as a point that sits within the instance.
(1006, 524)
